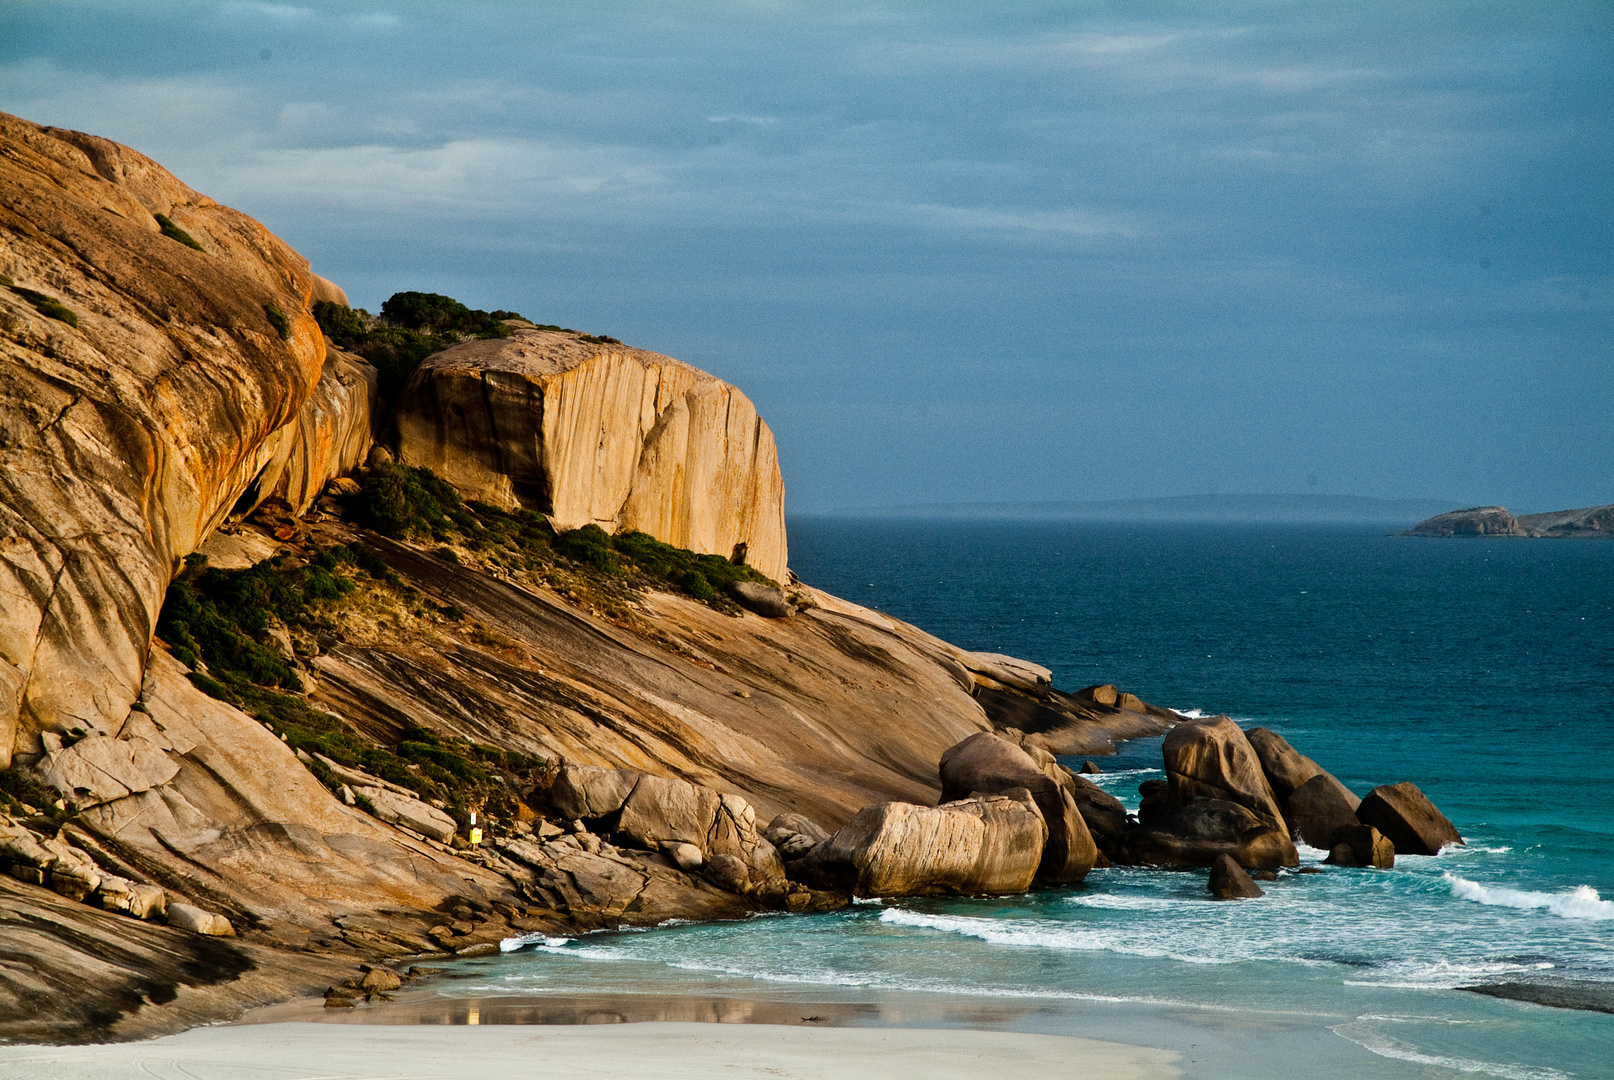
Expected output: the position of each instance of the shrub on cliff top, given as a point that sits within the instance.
(413, 325)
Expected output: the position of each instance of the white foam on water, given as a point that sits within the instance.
(1384, 1046)
(1035, 935)
(1581, 902)
(1444, 975)
(1127, 903)
(521, 941)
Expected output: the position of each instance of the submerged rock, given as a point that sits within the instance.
(1405, 815)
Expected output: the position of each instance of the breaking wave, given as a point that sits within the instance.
(1581, 902)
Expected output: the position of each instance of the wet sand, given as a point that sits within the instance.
(660, 1050)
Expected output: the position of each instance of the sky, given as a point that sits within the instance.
(954, 252)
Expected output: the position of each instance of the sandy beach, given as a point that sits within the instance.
(666, 1051)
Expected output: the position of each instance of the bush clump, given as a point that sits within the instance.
(406, 503)
(174, 232)
(411, 327)
(48, 306)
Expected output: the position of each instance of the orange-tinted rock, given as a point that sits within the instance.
(600, 434)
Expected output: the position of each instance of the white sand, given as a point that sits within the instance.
(659, 1051)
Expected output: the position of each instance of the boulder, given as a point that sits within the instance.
(1285, 767)
(411, 813)
(379, 981)
(600, 433)
(1212, 759)
(1408, 818)
(728, 873)
(1321, 807)
(988, 764)
(589, 791)
(1009, 670)
(1362, 845)
(1105, 815)
(197, 921)
(759, 599)
(991, 845)
(687, 857)
(1090, 769)
(1196, 832)
(663, 810)
(131, 898)
(1228, 881)
(794, 835)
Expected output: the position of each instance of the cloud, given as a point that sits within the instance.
(283, 12)
(1068, 222)
(737, 118)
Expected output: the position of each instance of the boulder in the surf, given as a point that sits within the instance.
(986, 764)
(1409, 819)
(1228, 881)
(1285, 767)
(985, 845)
(1194, 833)
(1319, 808)
(1104, 814)
(1361, 845)
(1212, 759)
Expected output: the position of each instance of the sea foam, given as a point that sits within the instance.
(1581, 902)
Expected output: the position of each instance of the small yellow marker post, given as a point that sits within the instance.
(476, 833)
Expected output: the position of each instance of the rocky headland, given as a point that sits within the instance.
(1590, 522)
(314, 668)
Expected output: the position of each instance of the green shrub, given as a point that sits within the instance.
(415, 325)
(278, 320)
(48, 306)
(696, 585)
(174, 232)
(591, 546)
(403, 502)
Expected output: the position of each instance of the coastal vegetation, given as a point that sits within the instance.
(47, 306)
(174, 232)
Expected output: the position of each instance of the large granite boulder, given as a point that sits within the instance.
(1405, 815)
(794, 835)
(1212, 759)
(148, 386)
(1285, 767)
(663, 813)
(759, 599)
(1319, 808)
(987, 764)
(600, 433)
(989, 845)
(1196, 832)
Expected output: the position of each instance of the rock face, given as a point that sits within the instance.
(991, 845)
(1212, 759)
(1320, 807)
(604, 434)
(1285, 767)
(1592, 522)
(990, 765)
(1196, 832)
(333, 432)
(1405, 815)
(126, 438)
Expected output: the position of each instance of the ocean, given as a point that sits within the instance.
(1482, 670)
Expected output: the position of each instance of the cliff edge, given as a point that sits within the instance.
(1592, 521)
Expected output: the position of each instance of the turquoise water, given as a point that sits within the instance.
(1481, 670)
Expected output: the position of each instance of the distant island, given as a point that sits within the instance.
(1592, 522)
(1296, 509)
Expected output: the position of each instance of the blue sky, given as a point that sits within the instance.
(954, 252)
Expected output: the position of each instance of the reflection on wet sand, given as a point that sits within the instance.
(427, 1006)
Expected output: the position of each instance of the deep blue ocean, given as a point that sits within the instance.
(1482, 670)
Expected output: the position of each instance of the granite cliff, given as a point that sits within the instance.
(598, 433)
(288, 769)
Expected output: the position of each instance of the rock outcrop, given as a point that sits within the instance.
(988, 764)
(989, 845)
(1589, 522)
(157, 382)
(1404, 814)
(1362, 845)
(600, 434)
